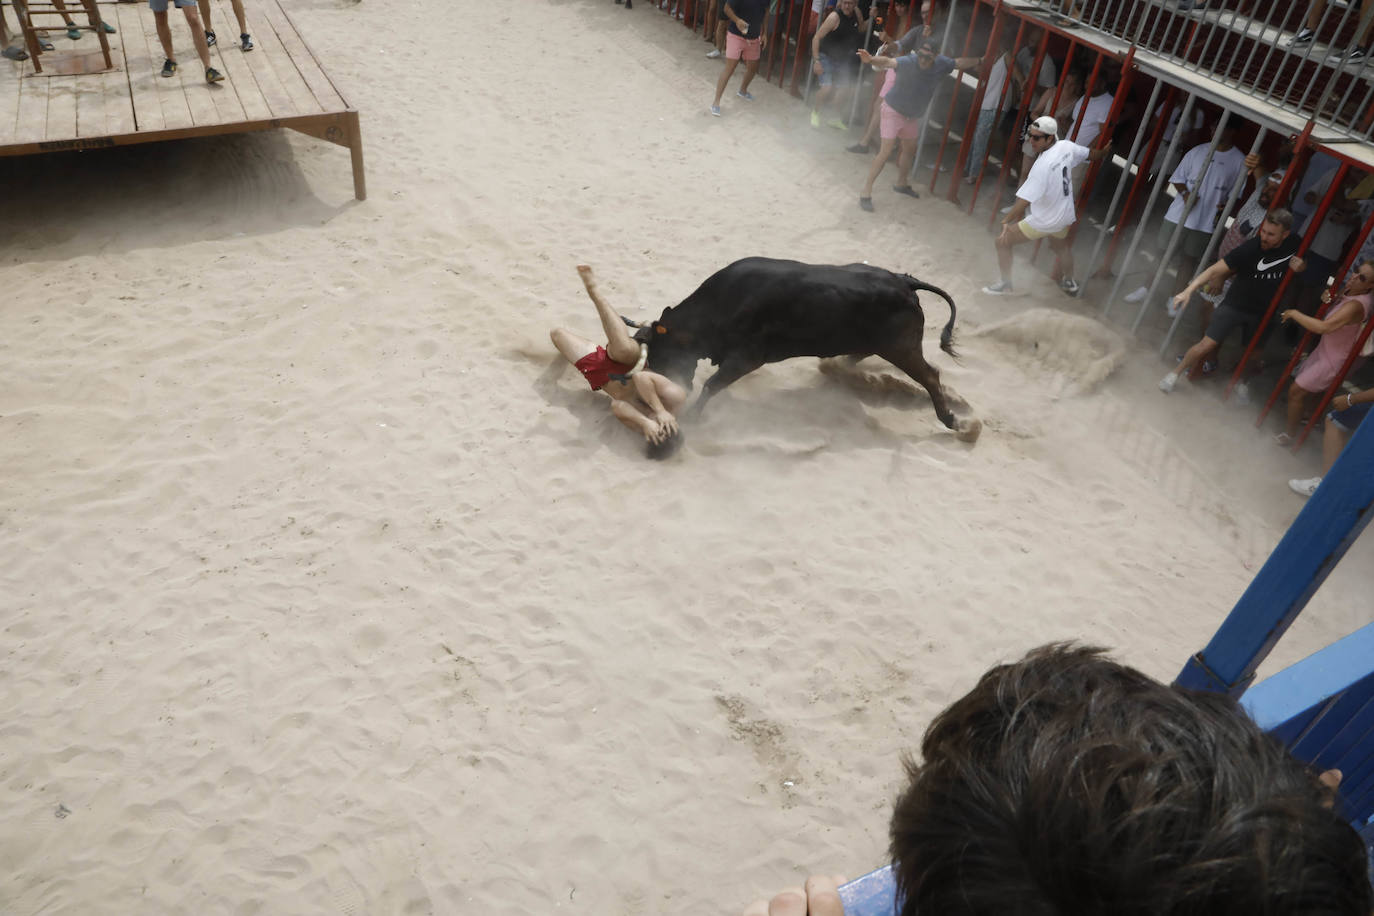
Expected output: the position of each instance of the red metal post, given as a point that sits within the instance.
(1142, 175)
(1001, 101)
(953, 100)
(1014, 143)
(970, 122)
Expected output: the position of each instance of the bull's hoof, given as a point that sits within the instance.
(969, 430)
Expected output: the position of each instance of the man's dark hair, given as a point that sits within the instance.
(1280, 217)
(1066, 784)
(660, 451)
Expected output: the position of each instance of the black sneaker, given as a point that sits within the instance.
(212, 75)
(1303, 37)
(210, 38)
(245, 43)
(1356, 54)
(169, 67)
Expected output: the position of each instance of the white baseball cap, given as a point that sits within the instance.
(1046, 125)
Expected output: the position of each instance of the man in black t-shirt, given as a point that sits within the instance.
(1258, 267)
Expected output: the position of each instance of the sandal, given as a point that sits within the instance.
(73, 32)
(44, 43)
(107, 28)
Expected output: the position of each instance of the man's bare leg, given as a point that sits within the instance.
(197, 35)
(725, 75)
(904, 161)
(572, 346)
(750, 68)
(876, 169)
(1011, 237)
(1195, 355)
(620, 346)
(164, 35)
(1063, 258)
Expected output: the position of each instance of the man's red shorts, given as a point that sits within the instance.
(597, 368)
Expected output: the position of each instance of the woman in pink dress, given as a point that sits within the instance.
(1339, 330)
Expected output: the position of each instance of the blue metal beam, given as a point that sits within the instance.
(1321, 534)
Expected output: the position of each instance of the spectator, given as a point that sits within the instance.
(905, 104)
(1045, 78)
(1329, 241)
(72, 31)
(245, 40)
(715, 24)
(1068, 783)
(1356, 52)
(989, 110)
(890, 48)
(744, 39)
(832, 55)
(164, 35)
(1259, 266)
(1213, 188)
(1048, 195)
(1348, 411)
(644, 401)
(1095, 111)
(1339, 330)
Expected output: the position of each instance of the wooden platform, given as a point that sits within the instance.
(280, 83)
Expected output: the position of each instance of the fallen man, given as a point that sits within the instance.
(644, 401)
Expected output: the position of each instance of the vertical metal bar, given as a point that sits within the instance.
(1335, 71)
(1255, 45)
(971, 122)
(1125, 176)
(1217, 232)
(1357, 78)
(1175, 237)
(1241, 41)
(1283, 56)
(1116, 23)
(1001, 101)
(1190, 28)
(1149, 208)
(953, 100)
(925, 116)
(1027, 99)
(1312, 229)
(859, 81)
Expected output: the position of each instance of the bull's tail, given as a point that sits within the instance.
(947, 334)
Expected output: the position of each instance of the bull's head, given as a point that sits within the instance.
(673, 350)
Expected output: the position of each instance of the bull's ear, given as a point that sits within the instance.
(659, 328)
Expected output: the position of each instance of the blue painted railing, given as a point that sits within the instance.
(1322, 708)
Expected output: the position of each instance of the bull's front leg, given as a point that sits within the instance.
(731, 370)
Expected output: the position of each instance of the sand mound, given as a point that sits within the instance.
(1075, 352)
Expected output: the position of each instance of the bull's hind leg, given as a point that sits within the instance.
(731, 370)
(913, 363)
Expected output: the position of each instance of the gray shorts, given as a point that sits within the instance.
(160, 6)
(1193, 242)
(1226, 319)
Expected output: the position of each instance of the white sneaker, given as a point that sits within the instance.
(1305, 487)
(1070, 286)
(1243, 393)
(713, 53)
(1138, 295)
(1167, 383)
(1000, 288)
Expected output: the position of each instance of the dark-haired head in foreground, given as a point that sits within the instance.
(1069, 784)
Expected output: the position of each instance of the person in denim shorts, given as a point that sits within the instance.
(164, 35)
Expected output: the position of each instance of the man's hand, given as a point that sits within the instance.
(864, 56)
(818, 898)
(742, 26)
(1181, 300)
(1286, 315)
(667, 425)
(1252, 161)
(1298, 264)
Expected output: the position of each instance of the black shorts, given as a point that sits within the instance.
(1226, 319)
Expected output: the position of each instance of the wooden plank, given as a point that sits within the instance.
(239, 76)
(260, 63)
(277, 51)
(89, 92)
(33, 109)
(119, 103)
(61, 108)
(309, 69)
(155, 106)
(9, 99)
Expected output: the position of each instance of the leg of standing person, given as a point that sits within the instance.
(1011, 237)
(978, 151)
(721, 83)
(245, 41)
(202, 48)
(1297, 400)
(905, 160)
(874, 170)
(751, 66)
(1063, 264)
(210, 38)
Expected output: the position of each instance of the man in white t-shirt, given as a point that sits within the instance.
(994, 101)
(1213, 188)
(1048, 196)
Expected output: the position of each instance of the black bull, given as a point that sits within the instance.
(761, 310)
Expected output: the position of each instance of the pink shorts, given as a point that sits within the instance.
(738, 48)
(897, 127)
(889, 77)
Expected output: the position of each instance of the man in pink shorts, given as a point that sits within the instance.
(904, 104)
(743, 39)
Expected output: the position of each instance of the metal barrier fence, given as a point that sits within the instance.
(1261, 54)
(1143, 174)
